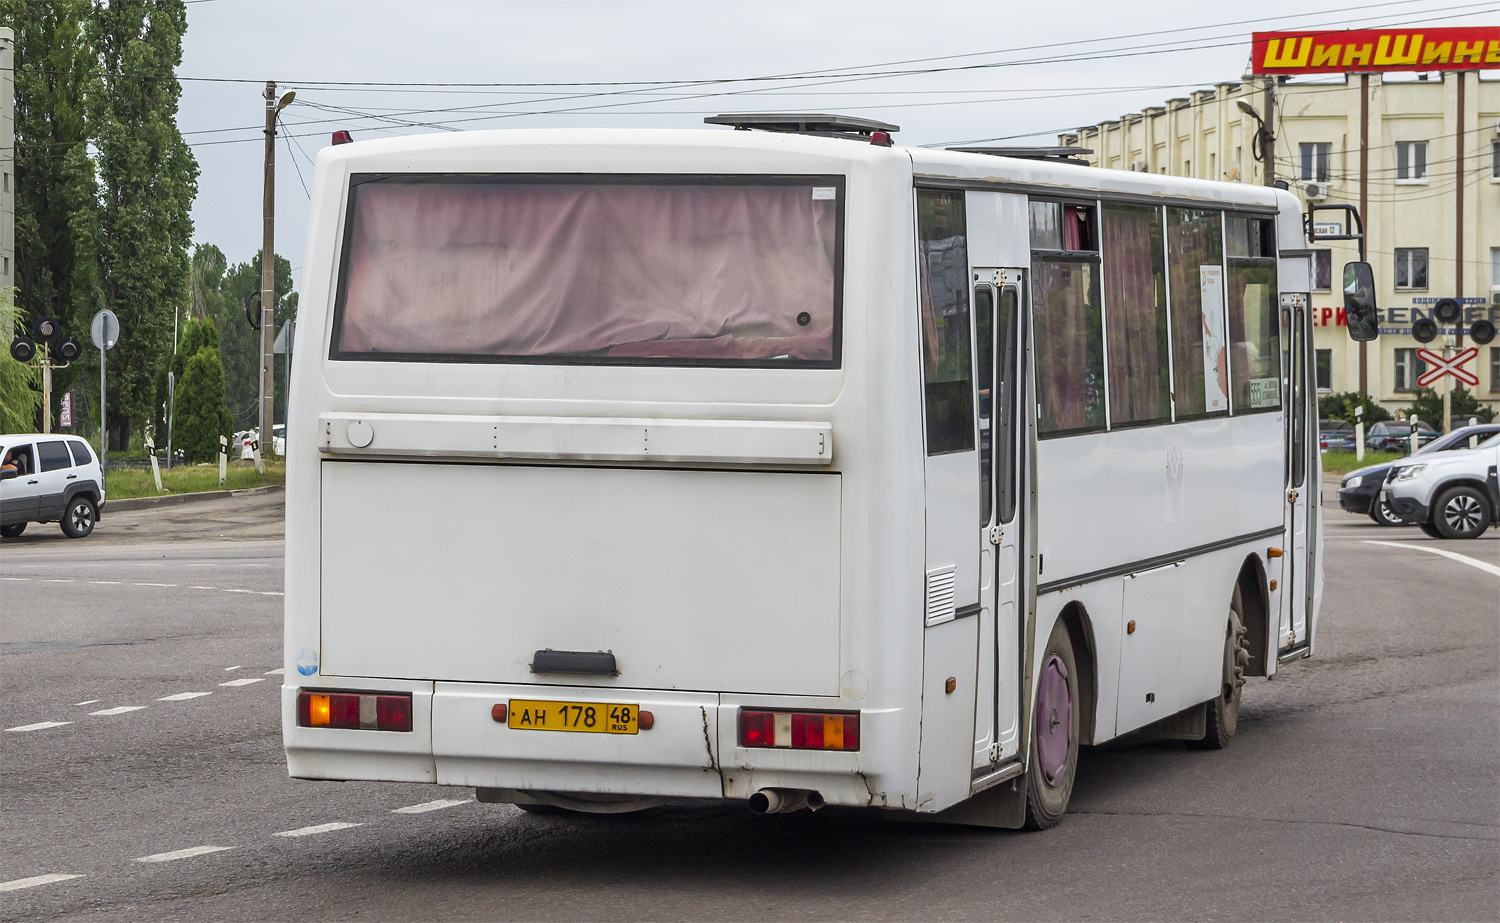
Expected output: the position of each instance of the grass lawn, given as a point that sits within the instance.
(1341, 463)
(123, 483)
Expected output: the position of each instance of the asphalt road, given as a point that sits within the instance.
(1364, 784)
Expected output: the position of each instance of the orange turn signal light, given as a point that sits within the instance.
(1273, 552)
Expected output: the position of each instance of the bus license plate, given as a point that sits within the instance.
(590, 717)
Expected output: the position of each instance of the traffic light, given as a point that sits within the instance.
(69, 349)
(1447, 310)
(22, 349)
(1424, 330)
(1482, 331)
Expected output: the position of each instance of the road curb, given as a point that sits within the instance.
(146, 503)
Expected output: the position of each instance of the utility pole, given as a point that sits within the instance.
(1364, 205)
(268, 270)
(1458, 253)
(1268, 136)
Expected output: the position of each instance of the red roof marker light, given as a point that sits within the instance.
(342, 137)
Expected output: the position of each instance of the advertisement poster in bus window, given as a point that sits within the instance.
(1215, 358)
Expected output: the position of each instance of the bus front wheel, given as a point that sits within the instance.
(1224, 710)
(1054, 734)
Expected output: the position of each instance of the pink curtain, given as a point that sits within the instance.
(1135, 304)
(697, 272)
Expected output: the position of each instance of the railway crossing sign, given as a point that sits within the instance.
(1438, 367)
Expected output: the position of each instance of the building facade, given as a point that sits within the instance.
(1432, 219)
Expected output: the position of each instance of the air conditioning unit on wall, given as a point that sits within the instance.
(1495, 296)
(1316, 190)
(1138, 166)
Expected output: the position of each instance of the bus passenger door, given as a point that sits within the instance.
(1293, 598)
(997, 320)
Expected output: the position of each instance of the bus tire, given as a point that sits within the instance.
(1461, 512)
(1224, 710)
(1054, 734)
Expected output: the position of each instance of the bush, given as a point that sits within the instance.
(1340, 406)
(201, 415)
(1429, 406)
(20, 392)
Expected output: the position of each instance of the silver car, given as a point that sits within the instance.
(1449, 494)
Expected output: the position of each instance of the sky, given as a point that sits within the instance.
(945, 71)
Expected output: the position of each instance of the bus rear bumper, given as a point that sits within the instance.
(677, 757)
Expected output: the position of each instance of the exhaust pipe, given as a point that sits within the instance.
(784, 800)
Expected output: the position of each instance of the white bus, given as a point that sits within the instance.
(786, 466)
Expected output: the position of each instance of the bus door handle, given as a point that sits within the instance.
(1291, 495)
(996, 534)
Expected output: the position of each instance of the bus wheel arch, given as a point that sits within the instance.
(1080, 628)
(1256, 614)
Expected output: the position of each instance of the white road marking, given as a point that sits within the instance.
(153, 584)
(57, 580)
(244, 682)
(35, 880)
(188, 853)
(233, 590)
(183, 696)
(231, 669)
(271, 593)
(317, 828)
(1462, 558)
(203, 588)
(105, 582)
(276, 672)
(15, 578)
(438, 805)
(117, 710)
(40, 726)
(87, 702)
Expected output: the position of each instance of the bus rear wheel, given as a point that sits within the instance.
(1054, 734)
(1224, 710)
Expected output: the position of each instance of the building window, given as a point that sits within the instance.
(1495, 267)
(1411, 268)
(1323, 366)
(1408, 369)
(1315, 158)
(1187, 168)
(1411, 160)
(7, 182)
(1495, 369)
(1495, 159)
(1322, 275)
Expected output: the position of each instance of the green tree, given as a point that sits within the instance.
(56, 200)
(201, 415)
(1428, 406)
(241, 344)
(195, 335)
(1340, 406)
(147, 180)
(20, 398)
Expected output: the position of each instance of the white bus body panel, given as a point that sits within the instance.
(691, 578)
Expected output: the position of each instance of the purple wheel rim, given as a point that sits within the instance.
(1054, 720)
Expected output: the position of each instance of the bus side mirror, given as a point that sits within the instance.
(1359, 302)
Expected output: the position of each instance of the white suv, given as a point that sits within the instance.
(1449, 494)
(49, 478)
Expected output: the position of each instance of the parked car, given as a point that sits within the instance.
(49, 478)
(1335, 436)
(248, 439)
(1360, 490)
(1395, 436)
(1450, 494)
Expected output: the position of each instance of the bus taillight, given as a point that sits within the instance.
(799, 730)
(354, 711)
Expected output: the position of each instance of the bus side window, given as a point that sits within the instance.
(947, 360)
(1004, 401)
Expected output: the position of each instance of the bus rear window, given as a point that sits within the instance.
(598, 270)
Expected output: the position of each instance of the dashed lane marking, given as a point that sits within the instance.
(316, 828)
(1453, 555)
(272, 593)
(35, 880)
(438, 805)
(15, 578)
(86, 702)
(40, 726)
(276, 672)
(154, 584)
(236, 590)
(232, 669)
(183, 696)
(117, 710)
(105, 582)
(188, 853)
(244, 682)
(203, 588)
(57, 580)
